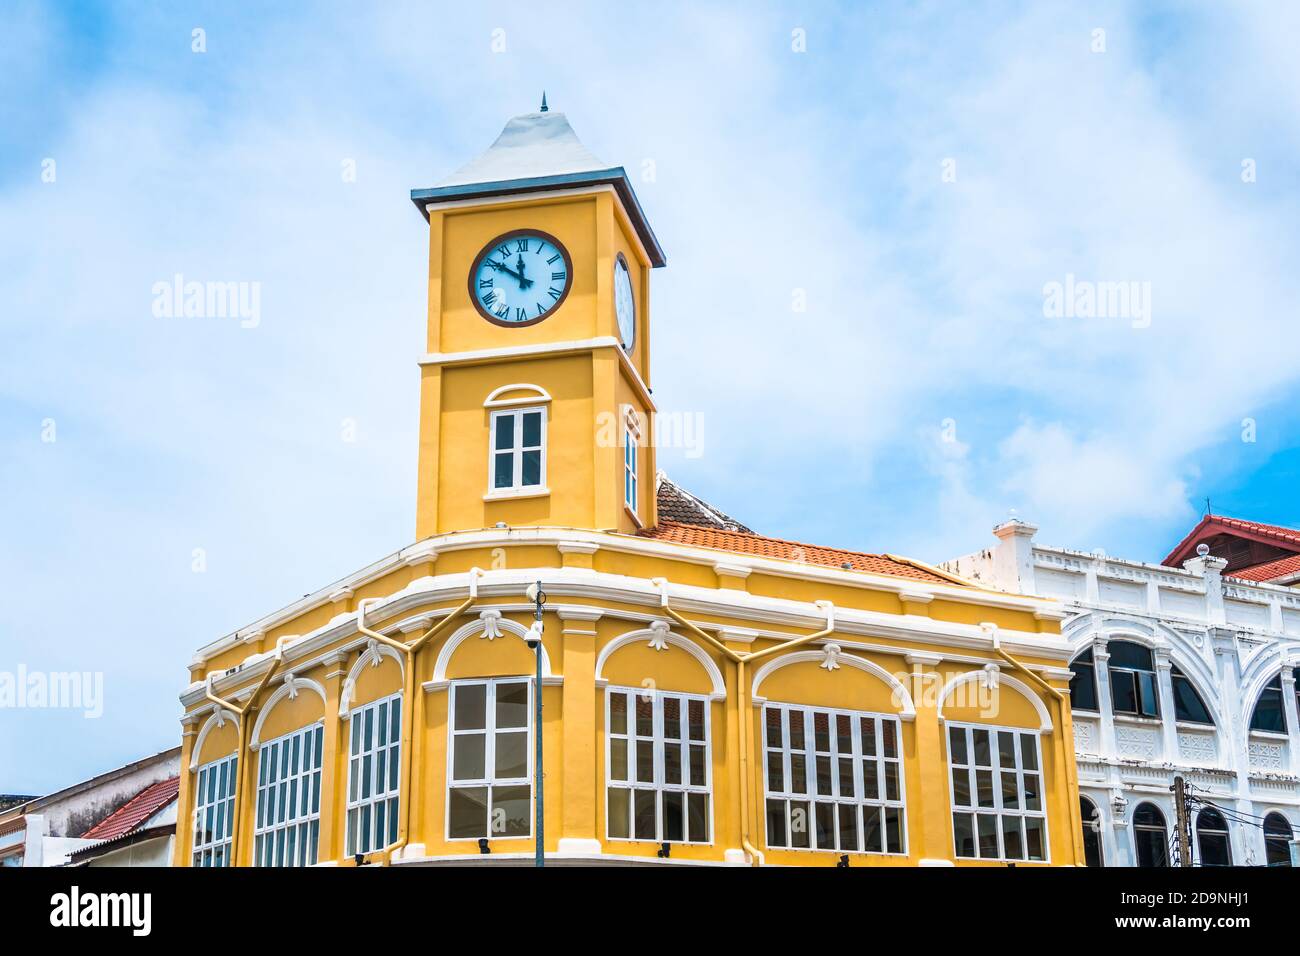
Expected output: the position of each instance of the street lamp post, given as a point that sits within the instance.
(534, 639)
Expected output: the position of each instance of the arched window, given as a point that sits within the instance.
(1083, 685)
(1188, 705)
(1277, 840)
(1133, 680)
(1150, 837)
(1270, 713)
(1091, 818)
(1212, 838)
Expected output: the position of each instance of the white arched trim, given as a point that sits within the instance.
(217, 718)
(660, 638)
(373, 655)
(532, 395)
(290, 688)
(906, 707)
(489, 626)
(982, 677)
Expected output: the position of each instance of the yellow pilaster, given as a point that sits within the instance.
(580, 787)
(333, 763)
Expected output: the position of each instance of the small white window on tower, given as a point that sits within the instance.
(518, 451)
(629, 469)
(631, 440)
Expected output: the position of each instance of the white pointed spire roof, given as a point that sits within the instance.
(531, 145)
(537, 152)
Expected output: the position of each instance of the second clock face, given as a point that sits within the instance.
(520, 278)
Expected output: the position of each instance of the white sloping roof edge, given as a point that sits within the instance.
(531, 145)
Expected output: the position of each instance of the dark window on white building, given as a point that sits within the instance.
(1212, 838)
(1277, 840)
(1091, 832)
(1083, 685)
(1150, 837)
(1133, 680)
(1270, 714)
(1188, 706)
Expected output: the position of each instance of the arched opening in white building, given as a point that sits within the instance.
(1150, 836)
(1091, 818)
(1212, 838)
(1277, 840)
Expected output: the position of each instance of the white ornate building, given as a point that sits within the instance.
(1179, 671)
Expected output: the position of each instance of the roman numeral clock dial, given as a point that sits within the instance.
(520, 278)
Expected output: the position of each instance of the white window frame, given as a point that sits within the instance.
(386, 755)
(286, 825)
(630, 451)
(214, 795)
(489, 729)
(859, 800)
(998, 811)
(516, 451)
(658, 741)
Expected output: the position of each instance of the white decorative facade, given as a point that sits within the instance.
(1183, 662)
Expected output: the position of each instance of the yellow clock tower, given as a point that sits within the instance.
(535, 399)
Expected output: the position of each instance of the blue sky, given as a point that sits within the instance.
(925, 395)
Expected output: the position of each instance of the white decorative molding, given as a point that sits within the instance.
(217, 718)
(984, 676)
(372, 656)
(289, 689)
(1136, 742)
(654, 633)
(533, 395)
(1265, 755)
(902, 698)
(1197, 747)
(830, 657)
(477, 628)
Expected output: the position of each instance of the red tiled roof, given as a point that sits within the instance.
(1288, 538)
(1269, 570)
(675, 503)
(135, 811)
(747, 543)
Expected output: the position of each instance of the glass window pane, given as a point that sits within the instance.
(469, 753)
(503, 470)
(775, 771)
(873, 834)
(800, 825)
(674, 816)
(848, 821)
(644, 814)
(672, 763)
(1123, 690)
(511, 756)
(964, 831)
(987, 825)
(776, 835)
(893, 830)
(618, 713)
(471, 707)
(1029, 751)
(617, 759)
(512, 704)
(645, 715)
(960, 787)
(1011, 843)
(1034, 841)
(672, 717)
(532, 429)
(695, 719)
(511, 810)
(532, 473)
(957, 745)
(824, 818)
(505, 425)
(619, 813)
(697, 817)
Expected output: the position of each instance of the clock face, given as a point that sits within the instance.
(624, 303)
(520, 278)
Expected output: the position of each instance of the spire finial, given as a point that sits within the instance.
(544, 106)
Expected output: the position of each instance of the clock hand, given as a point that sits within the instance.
(524, 283)
(502, 267)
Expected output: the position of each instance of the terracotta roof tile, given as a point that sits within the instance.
(1269, 570)
(675, 503)
(739, 542)
(1284, 537)
(135, 811)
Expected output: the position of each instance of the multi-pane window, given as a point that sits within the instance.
(287, 830)
(518, 450)
(1133, 680)
(834, 780)
(658, 766)
(373, 771)
(1083, 683)
(214, 802)
(629, 469)
(489, 793)
(1277, 840)
(1150, 836)
(1270, 711)
(997, 793)
(1212, 838)
(1188, 705)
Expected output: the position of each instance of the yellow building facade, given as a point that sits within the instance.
(708, 695)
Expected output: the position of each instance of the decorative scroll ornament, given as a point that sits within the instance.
(372, 648)
(992, 671)
(348, 694)
(659, 635)
(831, 657)
(491, 624)
(291, 682)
